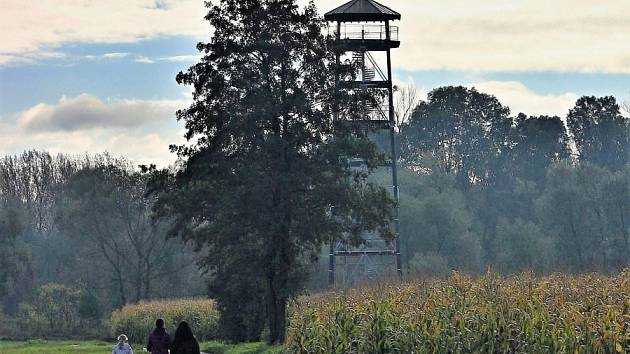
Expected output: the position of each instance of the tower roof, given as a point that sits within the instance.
(362, 10)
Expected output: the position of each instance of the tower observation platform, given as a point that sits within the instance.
(361, 33)
(371, 31)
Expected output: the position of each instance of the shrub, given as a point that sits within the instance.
(428, 264)
(520, 314)
(137, 321)
(7, 327)
(89, 307)
(53, 313)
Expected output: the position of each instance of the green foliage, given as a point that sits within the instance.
(431, 264)
(535, 143)
(243, 348)
(519, 314)
(106, 207)
(600, 132)
(66, 347)
(461, 129)
(7, 328)
(481, 189)
(89, 306)
(241, 318)
(584, 207)
(54, 347)
(11, 226)
(85, 223)
(53, 313)
(522, 246)
(137, 321)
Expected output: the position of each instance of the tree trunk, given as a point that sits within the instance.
(139, 280)
(577, 243)
(147, 280)
(121, 287)
(271, 309)
(280, 313)
(277, 309)
(277, 279)
(602, 236)
(624, 232)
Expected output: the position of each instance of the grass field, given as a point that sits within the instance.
(54, 347)
(246, 348)
(69, 347)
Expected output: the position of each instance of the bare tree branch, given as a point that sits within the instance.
(406, 101)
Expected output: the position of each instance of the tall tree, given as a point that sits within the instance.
(468, 133)
(105, 209)
(584, 207)
(32, 182)
(407, 99)
(16, 261)
(265, 182)
(538, 143)
(11, 225)
(437, 220)
(462, 128)
(600, 132)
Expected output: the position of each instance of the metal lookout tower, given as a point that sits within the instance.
(364, 36)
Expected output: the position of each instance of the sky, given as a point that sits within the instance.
(91, 76)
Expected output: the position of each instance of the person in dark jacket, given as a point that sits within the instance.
(184, 341)
(159, 340)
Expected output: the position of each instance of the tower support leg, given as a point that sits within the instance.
(394, 153)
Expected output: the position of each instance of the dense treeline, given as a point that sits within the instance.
(481, 188)
(78, 240)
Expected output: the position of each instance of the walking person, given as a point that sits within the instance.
(184, 341)
(159, 340)
(122, 347)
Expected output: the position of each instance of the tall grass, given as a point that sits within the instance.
(492, 314)
(136, 321)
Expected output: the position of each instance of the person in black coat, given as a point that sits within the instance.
(184, 341)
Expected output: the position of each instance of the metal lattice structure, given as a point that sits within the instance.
(362, 30)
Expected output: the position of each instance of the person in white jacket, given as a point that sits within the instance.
(122, 347)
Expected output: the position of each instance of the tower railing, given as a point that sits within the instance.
(364, 31)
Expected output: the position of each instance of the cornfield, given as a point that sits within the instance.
(492, 314)
(137, 321)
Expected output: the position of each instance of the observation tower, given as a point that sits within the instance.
(363, 36)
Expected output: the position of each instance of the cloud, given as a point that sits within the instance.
(30, 27)
(499, 35)
(142, 147)
(107, 56)
(86, 112)
(488, 35)
(182, 58)
(144, 60)
(521, 99)
(141, 130)
(29, 58)
(513, 94)
(115, 55)
(174, 58)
